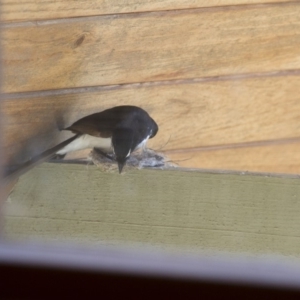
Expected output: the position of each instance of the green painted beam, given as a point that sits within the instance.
(193, 211)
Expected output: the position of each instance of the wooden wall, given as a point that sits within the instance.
(220, 77)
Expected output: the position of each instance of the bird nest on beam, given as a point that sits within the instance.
(138, 160)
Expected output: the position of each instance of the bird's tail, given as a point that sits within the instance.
(44, 156)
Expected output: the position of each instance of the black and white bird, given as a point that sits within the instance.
(119, 130)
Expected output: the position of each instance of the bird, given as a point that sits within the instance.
(118, 131)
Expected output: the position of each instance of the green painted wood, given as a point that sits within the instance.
(178, 209)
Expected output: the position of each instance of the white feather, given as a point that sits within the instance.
(86, 141)
(143, 143)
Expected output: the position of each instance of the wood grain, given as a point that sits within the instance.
(189, 211)
(275, 158)
(150, 47)
(280, 156)
(24, 10)
(189, 115)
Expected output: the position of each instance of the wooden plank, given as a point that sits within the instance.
(189, 211)
(276, 158)
(189, 115)
(150, 47)
(46, 9)
(281, 156)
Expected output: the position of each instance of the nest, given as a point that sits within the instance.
(138, 160)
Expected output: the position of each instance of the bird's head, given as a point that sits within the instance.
(122, 141)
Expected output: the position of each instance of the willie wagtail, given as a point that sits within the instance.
(119, 130)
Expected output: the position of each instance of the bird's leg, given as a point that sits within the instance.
(141, 152)
(97, 150)
(144, 151)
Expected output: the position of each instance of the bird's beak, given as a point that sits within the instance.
(121, 165)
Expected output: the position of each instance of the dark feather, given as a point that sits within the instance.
(103, 124)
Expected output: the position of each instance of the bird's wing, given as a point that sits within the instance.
(90, 129)
(103, 124)
(98, 125)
